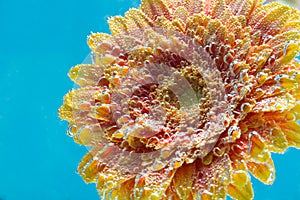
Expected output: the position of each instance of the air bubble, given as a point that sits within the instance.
(103, 110)
(84, 135)
(176, 163)
(158, 165)
(165, 153)
(84, 106)
(72, 129)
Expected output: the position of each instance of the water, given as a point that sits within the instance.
(40, 41)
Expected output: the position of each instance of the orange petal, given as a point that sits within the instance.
(193, 6)
(214, 7)
(183, 180)
(213, 179)
(256, 145)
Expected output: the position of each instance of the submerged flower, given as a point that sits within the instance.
(185, 98)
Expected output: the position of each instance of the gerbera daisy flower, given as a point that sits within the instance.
(186, 98)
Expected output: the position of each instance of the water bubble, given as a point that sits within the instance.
(72, 129)
(84, 105)
(84, 135)
(165, 153)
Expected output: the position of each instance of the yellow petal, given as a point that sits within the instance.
(137, 22)
(265, 172)
(279, 41)
(292, 133)
(85, 136)
(287, 82)
(65, 112)
(276, 140)
(256, 145)
(111, 180)
(90, 172)
(76, 98)
(181, 13)
(89, 168)
(95, 39)
(118, 25)
(240, 188)
(123, 192)
(291, 50)
(86, 74)
(274, 18)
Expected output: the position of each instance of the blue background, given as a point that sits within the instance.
(39, 42)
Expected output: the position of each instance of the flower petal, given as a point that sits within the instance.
(95, 38)
(137, 22)
(264, 171)
(292, 133)
(155, 8)
(183, 180)
(240, 187)
(86, 74)
(118, 25)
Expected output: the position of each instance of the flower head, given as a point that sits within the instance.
(185, 98)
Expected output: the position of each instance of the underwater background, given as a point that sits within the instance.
(39, 42)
